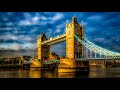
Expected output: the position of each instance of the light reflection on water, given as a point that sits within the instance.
(95, 72)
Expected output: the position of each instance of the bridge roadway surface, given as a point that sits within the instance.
(78, 59)
(91, 59)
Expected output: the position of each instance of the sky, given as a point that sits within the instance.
(19, 30)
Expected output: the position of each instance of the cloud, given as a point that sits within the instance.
(2, 48)
(6, 28)
(60, 26)
(9, 24)
(43, 18)
(34, 19)
(57, 16)
(25, 22)
(10, 13)
(52, 19)
(99, 39)
(39, 19)
(8, 46)
(22, 38)
(33, 30)
(29, 20)
(90, 29)
(95, 18)
(8, 37)
(58, 30)
(18, 32)
(17, 46)
(5, 19)
(27, 15)
(15, 53)
(112, 21)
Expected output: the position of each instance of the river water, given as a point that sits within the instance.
(95, 72)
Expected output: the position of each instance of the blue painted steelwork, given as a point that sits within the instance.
(97, 49)
(110, 55)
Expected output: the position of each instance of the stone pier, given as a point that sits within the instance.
(36, 65)
(67, 65)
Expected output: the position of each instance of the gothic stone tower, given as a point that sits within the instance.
(73, 48)
(43, 50)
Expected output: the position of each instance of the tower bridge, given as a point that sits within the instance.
(78, 48)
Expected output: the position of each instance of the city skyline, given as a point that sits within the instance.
(19, 30)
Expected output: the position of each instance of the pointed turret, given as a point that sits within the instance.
(82, 24)
(74, 20)
(67, 23)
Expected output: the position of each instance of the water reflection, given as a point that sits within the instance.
(95, 72)
(49, 74)
(42, 74)
(35, 73)
(22, 74)
(66, 75)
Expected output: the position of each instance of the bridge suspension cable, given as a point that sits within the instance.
(97, 49)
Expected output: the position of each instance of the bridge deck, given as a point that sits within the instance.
(78, 59)
(51, 61)
(55, 40)
(91, 59)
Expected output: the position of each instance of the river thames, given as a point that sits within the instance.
(95, 72)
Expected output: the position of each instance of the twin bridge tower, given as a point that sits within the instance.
(75, 43)
(73, 48)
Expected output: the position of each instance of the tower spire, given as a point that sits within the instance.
(67, 23)
(74, 20)
(82, 24)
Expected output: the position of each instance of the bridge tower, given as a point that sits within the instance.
(73, 48)
(43, 52)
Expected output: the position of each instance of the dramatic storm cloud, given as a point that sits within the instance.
(19, 30)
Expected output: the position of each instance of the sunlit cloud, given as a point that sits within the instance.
(16, 46)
